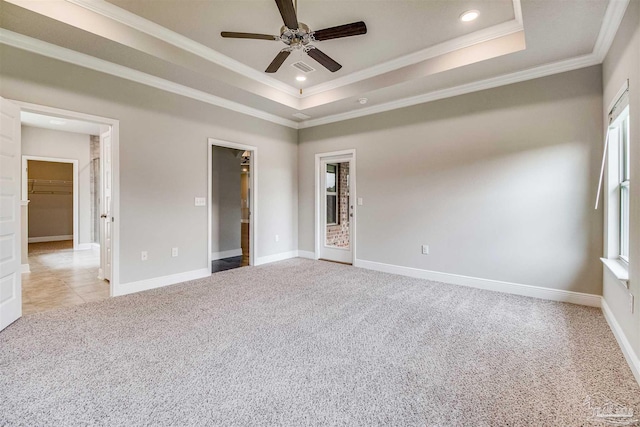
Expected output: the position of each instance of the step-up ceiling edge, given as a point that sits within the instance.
(610, 24)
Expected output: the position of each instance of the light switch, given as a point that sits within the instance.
(201, 201)
(360, 202)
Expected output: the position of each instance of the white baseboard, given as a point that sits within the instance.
(101, 274)
(50, 238)
(623, 342)
(24, 268)
(225, 254)
(83, 247)
(95, 246)
(276, 257)
(159, 282)
(307, 254)
(488, 284)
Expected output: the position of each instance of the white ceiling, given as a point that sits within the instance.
(414, 51)
(58, 123)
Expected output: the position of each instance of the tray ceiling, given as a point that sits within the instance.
(414, 50)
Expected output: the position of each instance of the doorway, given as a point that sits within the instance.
(50, 186)
(14, 209)
(335, 207)
(62, 268)
(61, 261)
(231, 204)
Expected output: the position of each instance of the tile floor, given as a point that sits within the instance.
(61, 277)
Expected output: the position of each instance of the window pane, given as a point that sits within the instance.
(331, 209)
(624, 222)
(331, 178)
(625, 152)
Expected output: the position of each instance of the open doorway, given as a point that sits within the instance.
(232, 188)
(62, 196)
(52, 191)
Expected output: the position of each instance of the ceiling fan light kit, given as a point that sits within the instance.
(297, 36)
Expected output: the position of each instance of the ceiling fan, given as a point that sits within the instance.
(297, 35)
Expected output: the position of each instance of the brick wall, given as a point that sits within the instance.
(338, 235)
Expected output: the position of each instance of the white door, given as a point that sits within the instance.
(10, 280)
(106, 217)
(336, 208)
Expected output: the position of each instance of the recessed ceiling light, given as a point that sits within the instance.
(57, 122)
(363, 101)
(301, 78)
(469, 15)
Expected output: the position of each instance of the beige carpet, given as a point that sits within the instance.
(312, 343)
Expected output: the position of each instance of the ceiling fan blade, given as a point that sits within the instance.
(232, 35)
(288, 13)
(324, 60)
(277, 61)
(346, 30)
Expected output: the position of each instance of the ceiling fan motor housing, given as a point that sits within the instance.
(297, 38)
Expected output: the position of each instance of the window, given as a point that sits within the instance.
(332, 193)
(623, 182)
(619, 181)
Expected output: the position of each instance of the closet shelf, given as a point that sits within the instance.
(50, 186)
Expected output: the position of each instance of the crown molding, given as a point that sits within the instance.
(132, 20)
(449, 46)
(67, 55)
(610, 24)
(477, 37)
(517, 11)
(519, 76)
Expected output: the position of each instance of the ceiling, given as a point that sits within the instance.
(58, 123)
(414, 50)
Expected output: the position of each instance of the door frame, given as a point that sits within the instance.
(76, 196)
(115, 172)
(253, 196)
(318, 203)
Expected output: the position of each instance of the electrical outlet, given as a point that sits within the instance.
(277, 238)
(425, 249)
(360, 201)
(174, 252)
(144, 256)
(200, 201)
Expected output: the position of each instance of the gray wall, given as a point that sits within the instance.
(163, 161)
(65, 145)
(623, 62)
(225, 200)
(500, 183)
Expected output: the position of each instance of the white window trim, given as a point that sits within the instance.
(623, 181)
(615, 263)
